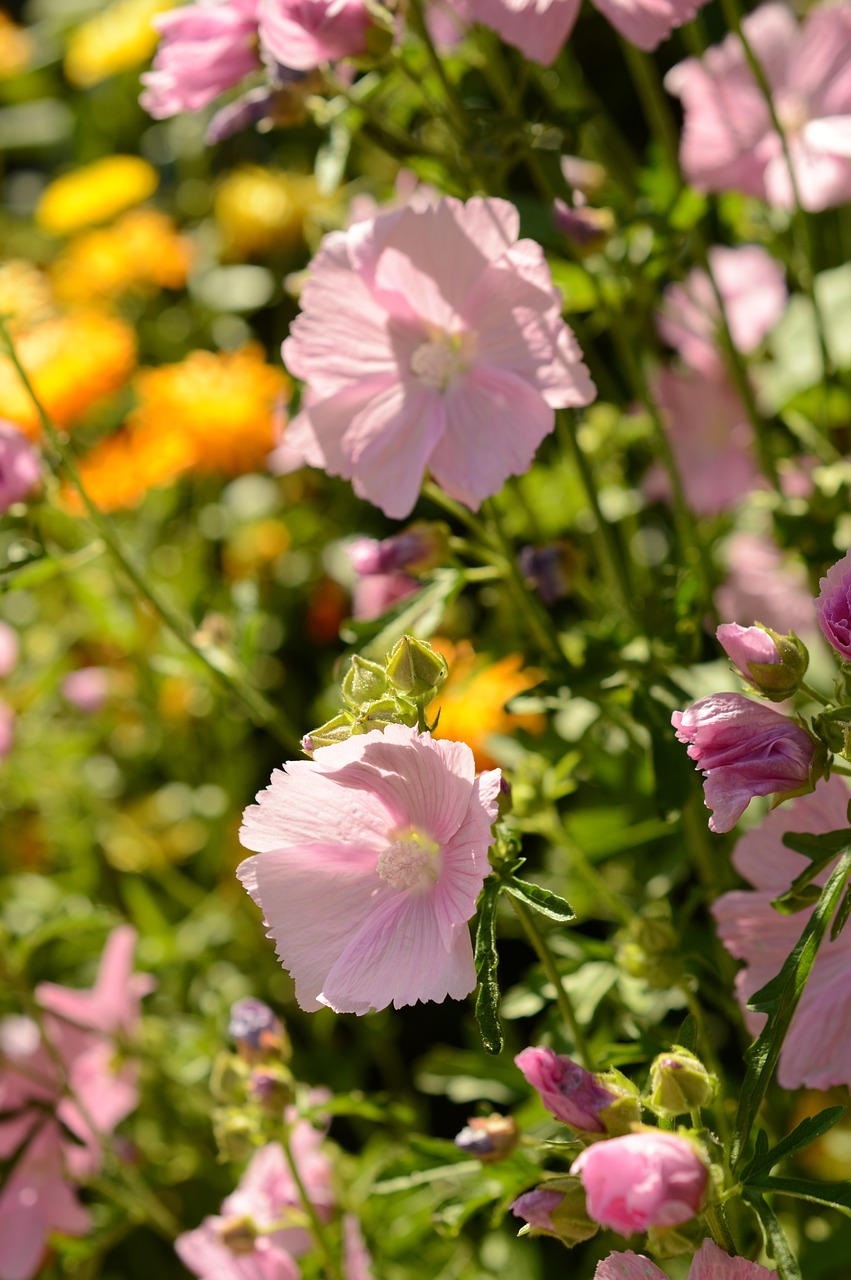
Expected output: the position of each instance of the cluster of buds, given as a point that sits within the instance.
(254, 1084)
(395, 691)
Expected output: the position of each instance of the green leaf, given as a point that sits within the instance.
(688, 1034)
(419, 615)
(764, 1158)
(42, 568)
(776, 1244)
(487, 963)
(842, 914)
(797, 898)
(833, 1195)
(779, 998)
(542, 900)
(821, 848)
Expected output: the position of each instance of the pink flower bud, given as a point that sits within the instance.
(9, 649)
(86, 689)
(20, 468)
(833, 606)
(774, 664)
(744, 749)
(648, 1179)
(570, 1092)
(746, 644)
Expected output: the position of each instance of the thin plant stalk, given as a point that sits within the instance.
(317, 1227)
(563, 1001)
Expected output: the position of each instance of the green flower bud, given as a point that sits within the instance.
(556, 1208)
(377, 715)
(415, 669)
(679, 1082)
(619, 1116)
(338, 729)
(775, 664)
(649, 948)
(364, 681)
(235, 1133)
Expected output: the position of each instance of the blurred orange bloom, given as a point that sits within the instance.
(73, 361)
(25, 293)
(120, 470)
(121, 37)
(95, 193)
(472, 701)
(16, 47)
(142, 250)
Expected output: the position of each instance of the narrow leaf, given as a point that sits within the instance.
(833, 1195)
(764, 1159)
(487, 963)
(823, 847)
(541, 900)
(776, 1244)
(841, 918)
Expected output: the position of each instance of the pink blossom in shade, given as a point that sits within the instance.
(753, 289)
(709, 1263)
(20, 468)
(648, 1179)
(304, 34)
(744, 749)
(762, 585)
(628, 1266)
(35, 1201)
(711, 439)
(540, 28)
(357, 1264)
(86, 688)
(729, 141)
(9, 649)
(111, 1006)
(369, 861)
(430, 339)
(206, 1253)
(448, 22)
(817, 1049)
(204, 50)
(535, 1207)
(375, 593)
(833, 606)
(571, 1093)
(747, 644)
(7, 729)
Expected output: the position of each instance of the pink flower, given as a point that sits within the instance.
(111, 1006)
(710, 437)
(743, 645)
(430, 339)
(389, 832)
(205, 49)
(817, 1051)
(302, 34)
(539, 28)
(357, 1264)
(709, 1263)
(570, 1092)
(35, 1201)
(86, 688)
(729, 142)
(535, 1207)
(9, 649)
(744, 750)
(752, 286)
(648, 1179)
(375, 593)
(833, 606)
(7, 729)
(20, 468)
(762, 585)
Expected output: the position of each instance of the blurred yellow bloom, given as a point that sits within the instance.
(16, 47)
(73, 361)
(472, 701)
(253, 546)
(119, 471)
(223, 404)
(26, 297)
(259, 210)
(142, 251)
(121, 37)
(95, 193)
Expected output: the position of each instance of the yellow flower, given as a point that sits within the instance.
(259, 210)
(16, 47)
(26, 297)
(225, 405)
(95, 193)
(142, 251)
(472, 701)
(73, 361)
(121, 37)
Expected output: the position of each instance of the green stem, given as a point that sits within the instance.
(814, 694)
(261, 710)
(716, 1220)
(708, 1051)
(317, 1226)
(655, 105)
(539, 622)
(548, 964)
(454, 105)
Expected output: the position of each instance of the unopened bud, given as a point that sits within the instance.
(557, 1209)
(488, 1138)
(415, 669)
(586, 228)
(364, 681)
(257, 1031)
(550, 569)
(649, 949)
(679, 1082)
(621, 1115)
(338, 729)
(775, 664)
(234, 1133)
(377, 715)
(272, 1088)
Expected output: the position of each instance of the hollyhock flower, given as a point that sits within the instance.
(35, 1201)
(539, 28)
(20, 468)
(303, 34)
(86, 688)
(204, 50)
(357, 1264)
(375, 593)
(111, 1006)
(744, 749)
(762, 585)
(816, 1052)
(833, 606)
(570, 1092)
(389, 832)
(744, 645)
(429, 339)
(535, 1207)
(709, 1263)
(648, 1179)
(752, 286)
(711, 438)
(381, 567)
(729, 141)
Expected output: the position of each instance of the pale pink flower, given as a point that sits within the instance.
(204, 50)
(709, 1263)
(86, 688)
(833, 606)
(357, 1264)
(647, 1179)
(429, 339)
(744, 749)
(9, 649)
(389, 832)
(753, 289)
(303, 34)
(817, 1049)
(711, 438)
(382, 580)
(628, 1266)
(375, 593)
(20, 468)
(571, 1093)
(7, 729)
(35, 1201)
(729, 141)
(111, 1006)
(764, 586)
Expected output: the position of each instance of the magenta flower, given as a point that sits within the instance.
(709, 1263)
(205, 49)
(752, 286)
(817, 1050)
(570, 1092)
(539, 28)
(833, 606)
(86, 688)
(647, 1179)
(744, 750)
(302, 34)
(429, 339)
(390, 832)
(20, 469)
(710, 436)
(729, 141)
(763, 585)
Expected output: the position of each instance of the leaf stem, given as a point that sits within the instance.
(565, 1005)
(317, 1227)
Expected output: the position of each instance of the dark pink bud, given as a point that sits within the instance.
(20, 468)
(570, 1092)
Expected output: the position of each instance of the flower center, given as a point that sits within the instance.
(792, 112)
(411, 861)
(439, 361)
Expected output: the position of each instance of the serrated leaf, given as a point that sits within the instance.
(487, 964)
(544, 901)
(776, 1244)
(765, 1158)
(833, 1195)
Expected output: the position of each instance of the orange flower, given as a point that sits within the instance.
(95, 193)
(222, 404)
(120, 470)
(73, 361)
(142, 251)
(472, 701)
(16, 47)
